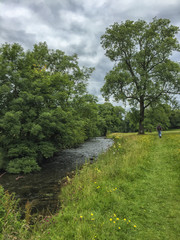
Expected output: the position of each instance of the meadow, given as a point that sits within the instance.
(131, 192)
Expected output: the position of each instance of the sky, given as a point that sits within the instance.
(76, 26)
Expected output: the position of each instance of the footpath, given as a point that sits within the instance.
(160, 192)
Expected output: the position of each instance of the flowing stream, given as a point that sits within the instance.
(42, 189)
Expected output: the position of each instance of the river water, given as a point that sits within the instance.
(42, 189)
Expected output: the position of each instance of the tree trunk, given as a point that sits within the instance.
(141, 117)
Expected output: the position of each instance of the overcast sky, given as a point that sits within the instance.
(75, 26)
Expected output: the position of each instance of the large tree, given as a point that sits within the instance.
(143, 72)
(38, 89)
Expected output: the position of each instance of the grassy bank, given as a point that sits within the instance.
(131, 192)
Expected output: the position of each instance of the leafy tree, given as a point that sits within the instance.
(158, 114)
(110, 118)
(87, 109)
(37, 116)
(130, 123)
(175, 118)
(143, 73)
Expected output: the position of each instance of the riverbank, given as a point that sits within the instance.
(42, 189)
(131, 192)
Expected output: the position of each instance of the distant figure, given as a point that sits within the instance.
(159, 130)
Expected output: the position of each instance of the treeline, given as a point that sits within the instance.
(45, 107)
(165, 115)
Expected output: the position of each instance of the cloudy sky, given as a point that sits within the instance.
(75, 26)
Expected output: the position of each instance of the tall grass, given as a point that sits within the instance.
(11, 225)
(131, 192)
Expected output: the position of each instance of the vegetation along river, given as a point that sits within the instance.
(42, 189)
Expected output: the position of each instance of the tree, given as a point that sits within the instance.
(87, 110)
(175, 118)
(155, 115)
(130, 123)
(37, 114)
(143, 72)
(110, 118)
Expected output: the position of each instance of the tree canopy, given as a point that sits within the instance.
(45, 106)
(38, 116)
(143, 72)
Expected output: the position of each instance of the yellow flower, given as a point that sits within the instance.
(117, 219)
(92, 214)
(124, 219)
(110, 219)
(114, 222)
(129, 220)
(92, 219)
(81, 217)
(98, 187)
(114, 215)
(119, 227)
(134, 226)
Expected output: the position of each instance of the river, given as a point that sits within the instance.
(42, 189)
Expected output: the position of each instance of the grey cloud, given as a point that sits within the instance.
(15, 35)
(18, 36)
(75, 26)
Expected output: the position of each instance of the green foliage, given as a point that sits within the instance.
(143, 73)
(11, 225)
(175, 118)
(131, 120)
(110, 118)
(38, 89)
(23, 164)
(87, 109)
(157, 115)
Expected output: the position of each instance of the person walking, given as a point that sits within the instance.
(159, 129)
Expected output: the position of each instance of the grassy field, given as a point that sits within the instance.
(131, 192)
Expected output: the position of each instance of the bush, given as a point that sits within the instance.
(25, 165)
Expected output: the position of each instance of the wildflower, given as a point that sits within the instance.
(129, 220)
(92, 214)
(92, 219)
(134, 226)
(110, 219)
(114, 222)
(124, 219)
(98, 187)
(98, 170)
(117, 219)
(119, 227)
(114, 215)
(81, 217)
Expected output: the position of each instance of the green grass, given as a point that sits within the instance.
(131, 192)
